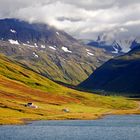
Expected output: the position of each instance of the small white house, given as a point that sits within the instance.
(66, 110)
(31, 105)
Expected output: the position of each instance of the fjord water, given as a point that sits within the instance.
(125, 127)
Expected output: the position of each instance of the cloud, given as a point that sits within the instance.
(82, 19)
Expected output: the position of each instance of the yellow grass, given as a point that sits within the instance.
(19, 86)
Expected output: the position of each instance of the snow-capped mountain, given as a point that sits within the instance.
(49, 51)
(114, 45)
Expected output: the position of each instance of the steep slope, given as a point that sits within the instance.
(18, 86)
(119, 76)
(48, 51)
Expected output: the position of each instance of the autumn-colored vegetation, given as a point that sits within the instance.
(19, 85)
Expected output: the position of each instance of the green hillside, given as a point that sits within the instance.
(18, 86)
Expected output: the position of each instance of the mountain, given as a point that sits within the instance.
(49, 51)
(115, 46)
(19, 86)
(118, 76)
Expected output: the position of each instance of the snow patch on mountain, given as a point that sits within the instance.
(53, 48)
(43, 46)
(90, 54)
(35, 55)
(115, 50)
(87, 50)
(66, 49)
(32, 46)
(35, 45)
(57, 33)
(15, 42)
(125, 45)
(13, 31)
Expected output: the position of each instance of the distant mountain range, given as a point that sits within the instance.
(48, 51)
(113, 45)
(118, 76)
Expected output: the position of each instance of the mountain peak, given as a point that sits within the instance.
(49, 51)
(115, 46)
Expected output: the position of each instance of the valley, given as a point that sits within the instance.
(69, 70)
(19, 85)
(39, 66)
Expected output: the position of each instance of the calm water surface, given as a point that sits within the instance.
(109, 128)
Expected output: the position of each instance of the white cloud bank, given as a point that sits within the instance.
(82, 18)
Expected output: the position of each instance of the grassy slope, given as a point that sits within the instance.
(19, 85)
(119, 76)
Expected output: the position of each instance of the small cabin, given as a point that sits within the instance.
(31, 105)
(66, 110)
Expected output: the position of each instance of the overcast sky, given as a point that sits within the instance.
(80, 18)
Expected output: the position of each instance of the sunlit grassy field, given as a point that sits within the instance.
(19, 85)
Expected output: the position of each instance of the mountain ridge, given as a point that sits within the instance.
(48, 51)
(118, 76)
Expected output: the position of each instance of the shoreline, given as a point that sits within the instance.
(72, 116)
(26, 121)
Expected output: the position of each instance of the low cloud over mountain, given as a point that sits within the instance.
(83, 19)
